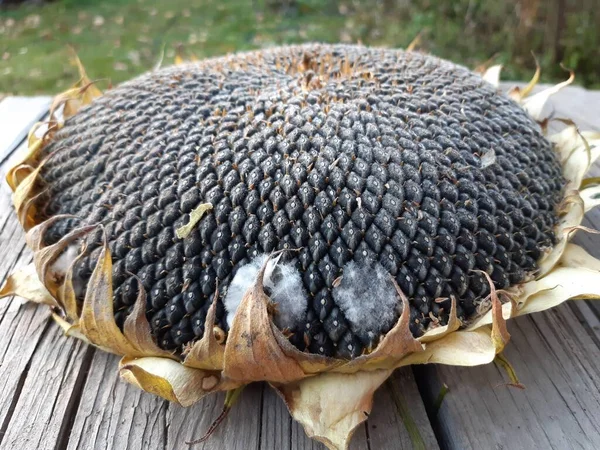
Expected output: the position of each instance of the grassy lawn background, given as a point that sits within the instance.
(117, 39)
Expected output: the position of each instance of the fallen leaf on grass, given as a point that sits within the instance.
(120, 66)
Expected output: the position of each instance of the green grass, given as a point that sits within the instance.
(117, 39)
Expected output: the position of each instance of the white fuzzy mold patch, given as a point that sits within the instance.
(285, 285)
(288, 293)
(368, 299)
(243, 279)
(62, 264)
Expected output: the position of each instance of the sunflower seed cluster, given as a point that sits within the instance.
(335, 153)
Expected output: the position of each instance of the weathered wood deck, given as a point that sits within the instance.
(58, 393)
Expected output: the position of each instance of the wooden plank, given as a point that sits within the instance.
(276, 423)
(17, 115)
(100, 417)
(587, 313)
(16, 354)
(100, 420)
(16, 319)
(386, 426)
(49, 385)
(114, 414)
(241, 430)
(558, 363)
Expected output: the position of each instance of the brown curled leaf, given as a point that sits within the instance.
(330, 406)
(518, 94)
(535, 104)
(492, 75)
(572, 209)
(559, 285)
(66, 293)
(97, 320)
(26, 284)
(252, 352)
(576, 256)
(35, 237)
(171, 380)
(71, 330)
(28, 210)
(500, 334)
(460, 348)
(93, 92)
(45, 259)
(415, 43)
(25, 190)
(26, 159)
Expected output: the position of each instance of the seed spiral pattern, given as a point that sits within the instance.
(337, 153)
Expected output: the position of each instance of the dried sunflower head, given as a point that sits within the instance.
(312, 216)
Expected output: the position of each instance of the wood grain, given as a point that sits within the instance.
(386, 425)
(559, 364)
(114, 414)
(260, 417)
(241, 429)
(276, 423)
(49, 384)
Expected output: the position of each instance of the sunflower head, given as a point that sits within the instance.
(311, 216)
